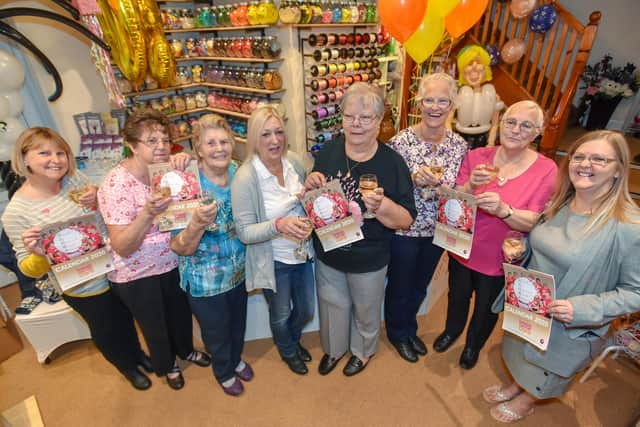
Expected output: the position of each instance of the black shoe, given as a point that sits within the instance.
(469, 358)
(303, 353)
(175, 383)
(418, 345)
(354, 366)
(327, 363)
(443, 342)
(199, 358)
(137, 379)
(405, 350)
(145, 362)
(296, 364)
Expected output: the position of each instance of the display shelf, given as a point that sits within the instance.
(242, 88)
(318, 25)
(230, 59)
(187, 112)
(136, 94)
(229, 113)
(212, 29)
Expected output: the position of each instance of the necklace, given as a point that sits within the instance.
(502, 180)
(350, 168)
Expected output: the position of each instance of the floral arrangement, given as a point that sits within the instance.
(540, 303)
(603, 80)
(91, 240)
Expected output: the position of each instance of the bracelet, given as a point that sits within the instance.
(509, 213)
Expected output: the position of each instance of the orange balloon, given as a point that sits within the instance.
(464, 16)
(401, 17)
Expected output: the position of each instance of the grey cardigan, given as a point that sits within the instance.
(254, 229)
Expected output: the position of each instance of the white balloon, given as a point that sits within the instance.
(4, 107)
(11, 71)
(10, 129)
(15, 100)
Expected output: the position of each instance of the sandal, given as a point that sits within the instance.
(199, 358)
(495, 394)
(176, 382)
(504, 414)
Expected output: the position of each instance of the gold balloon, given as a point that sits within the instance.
(162, 64)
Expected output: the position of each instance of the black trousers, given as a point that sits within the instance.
(463, 282)
(164, 316)
(413, 262)
(111, 326)
(223, 320)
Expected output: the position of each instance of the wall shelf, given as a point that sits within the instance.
(242, 88)
(212, 29)
(229, 59)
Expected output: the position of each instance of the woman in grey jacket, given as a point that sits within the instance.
(268, 218)
(589, 241)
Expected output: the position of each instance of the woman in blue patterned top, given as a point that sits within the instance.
(212, 258)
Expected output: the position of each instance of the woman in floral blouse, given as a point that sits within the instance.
(146, 269)
(424, 146)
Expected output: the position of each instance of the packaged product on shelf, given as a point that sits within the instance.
(190, 48)
(289, 12)
(210, 46)
(271, 48)
(167, 105)
(210, 73)
(94, 123)
(183, 77)
(190, 101)
(327, 12)
(196, 73)
(316, 12)
(110, 123)
(247, 47)
(201, 99)
(305, 13)
(179, 104)
(81, 123)
(177, 47)
(186, 19)
(337, 14)
(252, 13)
(267, 13)
(201, 47)
(272, 80)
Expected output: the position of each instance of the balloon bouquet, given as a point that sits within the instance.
(11, 102)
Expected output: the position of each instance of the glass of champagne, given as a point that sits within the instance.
(437, 168)
(75, 193)
(208, 198)
(368, 184)
(493, 171)
(513, 246)
(300, 251)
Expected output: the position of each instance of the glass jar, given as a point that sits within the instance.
(177, 47)
(346, 13)
(305, 12)
(247, 47)
(237, 47)
(233, 15)
(362, 12)
(190, 101)
(178, 103)
(205, 17)
(230, 45)
(210, 73)
(267, 12)
(167, 105)
(182, 76)
(242, 14)
(327, 12)
(252, 13)
(250, 79)
(260, 79)
(190, 47)
(226, 16)
(156, 104)
(196, 73)
(337, 13)
(201, 47)
(316, 12)
(210, 43)
(201, 99)
(186, 19)
(211, 16)
(371, 12)
(272, 48)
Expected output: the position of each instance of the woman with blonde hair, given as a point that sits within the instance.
(268, 218)
(212, 257)
(511, 183)
(45, 159)
(588, 239)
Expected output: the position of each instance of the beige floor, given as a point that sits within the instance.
(79, 388)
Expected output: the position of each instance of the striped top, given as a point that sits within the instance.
(23, 213)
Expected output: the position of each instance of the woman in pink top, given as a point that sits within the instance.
(146, 274)
(509, 199)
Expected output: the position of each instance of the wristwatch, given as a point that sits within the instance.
(509, 213)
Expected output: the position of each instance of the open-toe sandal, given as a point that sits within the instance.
(199, 358)
(496, 394)
(175, 382)
(504, 414)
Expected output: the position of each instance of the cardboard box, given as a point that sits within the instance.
(10, 342)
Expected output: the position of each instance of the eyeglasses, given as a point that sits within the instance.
(431, 102)
(594, 160)
(525, 126)
(153, 143)
(364, 120)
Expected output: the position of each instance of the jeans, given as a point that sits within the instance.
(413, 261)
(291, 305)
(223, 320)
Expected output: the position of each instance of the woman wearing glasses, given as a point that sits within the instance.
(434, 154)
(146, 270)
(512, 183)
(351, 278)
(588, 239)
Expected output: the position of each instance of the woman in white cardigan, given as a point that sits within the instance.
(267, 214)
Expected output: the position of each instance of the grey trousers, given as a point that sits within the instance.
(349, 305)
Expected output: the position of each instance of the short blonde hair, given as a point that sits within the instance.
(437, 77)
(32, 139)
(206, 122)
(256, 124)
(469, 54)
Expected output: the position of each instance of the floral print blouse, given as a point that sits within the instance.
(417, 152)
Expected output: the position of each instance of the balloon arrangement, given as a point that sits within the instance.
(134, 29)
(420, 24)
(11, 102)
(10, 32)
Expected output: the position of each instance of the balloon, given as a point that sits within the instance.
(10, 129)
(426, 38)
(512, 51)
(521, 8)
(494, 53)
(401, 18)
(443, 7)
(464, 16)
(11, 71)
(15, 101)
(543, 18)
(4, 107)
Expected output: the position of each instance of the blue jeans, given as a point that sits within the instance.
(223, 320)
(413, 261)
(291, 306)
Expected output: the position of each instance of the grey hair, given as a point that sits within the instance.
(528, 105)
(438, 77)
(366, 93)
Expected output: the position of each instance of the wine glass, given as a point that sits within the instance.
(75, 193)
(513, 246)
(207, 198)
(368, 184)
(300, 252)
(437, 168)
(493, 171)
